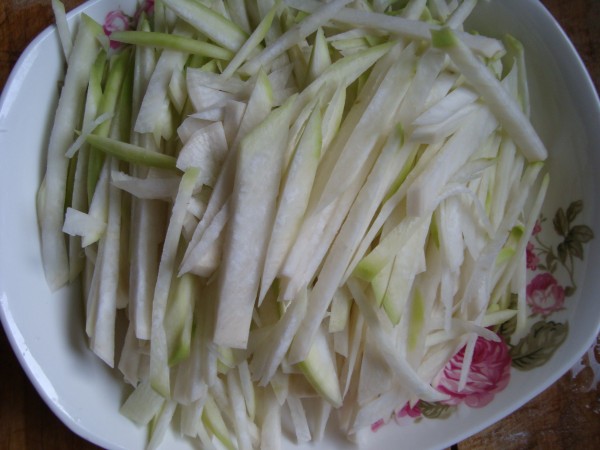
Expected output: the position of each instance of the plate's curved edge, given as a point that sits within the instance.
(582, 73)
(37, 377)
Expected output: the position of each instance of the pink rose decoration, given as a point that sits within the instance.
(406, 415)
(116, 21)
(545, 295)
(377, 425)
(532, 258)
(489, 374)
(536, 228)
(413, 412)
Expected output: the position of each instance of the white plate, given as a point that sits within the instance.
(45, 329)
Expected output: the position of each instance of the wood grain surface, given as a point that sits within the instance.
(565, 416)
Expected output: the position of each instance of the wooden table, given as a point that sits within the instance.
(563, 417)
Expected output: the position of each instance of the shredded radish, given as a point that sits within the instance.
(304, 209)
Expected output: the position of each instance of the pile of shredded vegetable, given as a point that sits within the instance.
(294, 204)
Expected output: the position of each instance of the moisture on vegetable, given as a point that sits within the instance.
(294, 205)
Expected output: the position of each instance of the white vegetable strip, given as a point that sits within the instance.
(271, 427)
(209, 238)
(428, 186)
(460, 14)
(78, 223)
(533, 215)
(400, 368)
(340, 311)
(368, 131)
(251, 43)
(258, 107)
(293, 200)
(412, 29)
(309, 236)
(238, 407)
(247, 389)
(144, 262)
(206, 150)
(344, 71)
(154, 106)
(191, 418)
(447, 106)
(100, 203)
(323, 413)
(269, 355)
(409, 261)
(68, 112)
(209, 22)
(206, 98)
(162, 425)
(159, 368)
(342, 249)
(142, 404)
(439, 9)
(88, 128)
(430, 134)
(506, 109)
(254, 194)
(314, 246)
(217, 211)
(216, 81)
(238, 14)
(154, 188)
(298, 32)
(386, 55)
(58, 9)
(131, 359)
(320, 58)
(189, 383)
(428, 69)
(299, 420)
(79, 196)
(102, 341)
(332, 117)
(414, 9)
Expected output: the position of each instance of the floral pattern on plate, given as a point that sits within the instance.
(551, 263)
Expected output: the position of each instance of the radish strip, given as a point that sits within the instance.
(102, 341)
(54, 250)
(298, 32)
(58, 9)
(209, 23)
(412, 29)
(159, 368)
(172, 42)
(253, 212)
(251, 43)
(507, 111)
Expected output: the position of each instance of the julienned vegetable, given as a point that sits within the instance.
(289, 200)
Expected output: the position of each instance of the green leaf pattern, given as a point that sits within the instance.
(535, 349)
(436, 410)
(550, 261)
